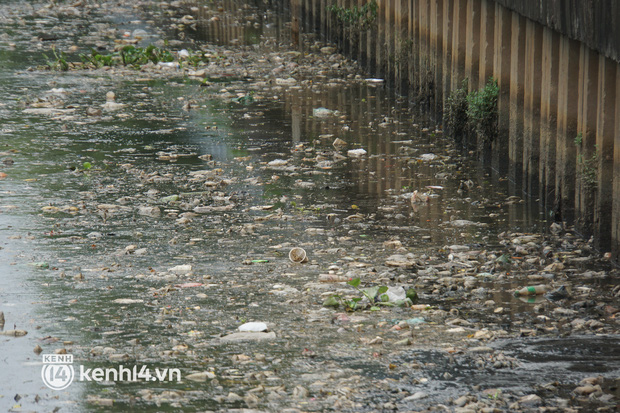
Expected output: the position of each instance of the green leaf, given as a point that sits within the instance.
(384, 298)
(382, 290)
(354, 282)
(87, 166)
(374, 308)
(356, 299)
(412, 295)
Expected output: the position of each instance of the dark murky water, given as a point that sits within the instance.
(69, 168)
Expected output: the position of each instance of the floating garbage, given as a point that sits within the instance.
(297, 255)
(400, 260)
(253, 327)
(428, 157)
(338, 144)
(278, 162)
(189, 285)
(532, 299)
(181, 269)
(171, 65)
(557, 294)
(532, 290)
(395, 295)
(128, 301)
(356, 153)
(248, 336)
(200, 376)
(286, 82)
(13, 333)
(170, 199)
(149, 211)
(421, 307)
(321, 112)
(332, 278)
(139, 33)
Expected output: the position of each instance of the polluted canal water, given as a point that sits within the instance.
(152, 192)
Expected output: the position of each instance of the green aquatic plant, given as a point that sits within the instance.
(456, 113)
(473, 113)
(579, 139)
(245, 99)
(59, 62)
(353, 303)
(587, 166)
(496, 395)
(139, 56)
(359, 18)
(196, 58)
(127, 56)
(96, 59)
(375, 296)
(482, 111)
(156, 55)
(131, 56)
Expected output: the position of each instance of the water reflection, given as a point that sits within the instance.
(235, 23)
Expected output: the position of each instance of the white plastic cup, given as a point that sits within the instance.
(297, 255)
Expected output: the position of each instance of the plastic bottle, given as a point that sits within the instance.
(532, 290)
(332, 278)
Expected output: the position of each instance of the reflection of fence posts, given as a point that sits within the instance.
(295, 22)
(586, 129)
(436, 14)
(607, 109)
(402, 14)
(615, 217)
(567, 129)
(548, 117)
(515, 111)
(532, 104)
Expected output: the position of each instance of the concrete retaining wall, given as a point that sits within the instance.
(594, 23)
